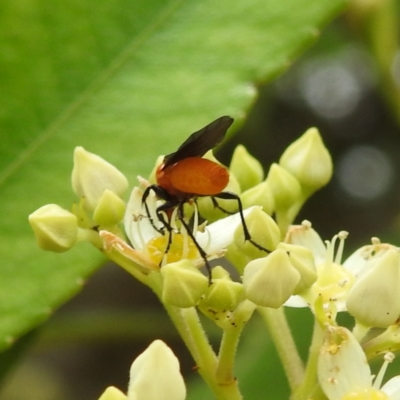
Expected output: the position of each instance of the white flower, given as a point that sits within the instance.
(344, 373)
(147, 246)
(154, 375)
(367, 284)
(333, 279)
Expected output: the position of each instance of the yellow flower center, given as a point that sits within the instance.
(181, 247)
(333, 282)
(366, 394)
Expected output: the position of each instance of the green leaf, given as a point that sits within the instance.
(127, 80)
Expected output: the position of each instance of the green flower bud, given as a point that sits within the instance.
(112, 393)
(270, 281)
(285, 188)
(237, 257)
(155, 375)
(220, 273)
(92, 175)
(223, 294)
(109, 210)
(246, 168)
(263, 230)
(259, 195)
(183, 284)
(55, 229)
(374, 299)
(308, 160)
(303, 260)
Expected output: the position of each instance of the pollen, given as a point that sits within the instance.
(368, 393)
(181, 247)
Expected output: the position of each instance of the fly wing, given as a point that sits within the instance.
(198, 143)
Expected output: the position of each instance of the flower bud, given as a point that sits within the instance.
(112, 393)
(303, 260)
(223, 294)
(92, 175)
(308, 160)
(259, 195)
(285, 188)
(374, 299)
(271, 280)
(246, 168)
(55, 229)
(237, 257)
(109, 210)
(155, 375)
(183, 284)
(263, 230)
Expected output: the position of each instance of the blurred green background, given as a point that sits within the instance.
(130, 80)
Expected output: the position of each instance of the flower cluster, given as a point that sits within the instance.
(299, 270)
(366, 284)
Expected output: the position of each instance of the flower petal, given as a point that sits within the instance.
(220, 234)
(296, 301)
(140, 259)
(135, 214)
(342, 364)
(304, 235)
(392, 388)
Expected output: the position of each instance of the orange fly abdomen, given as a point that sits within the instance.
(198, 176)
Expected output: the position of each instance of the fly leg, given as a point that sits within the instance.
(216, 205)
(247, 236)
(203, 254)
(169, 203)
(163, 195)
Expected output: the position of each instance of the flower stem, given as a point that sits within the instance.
(309, 386)
(187, 322)
(226, 356)
(279, 330)
(285, 217)
(128, 265)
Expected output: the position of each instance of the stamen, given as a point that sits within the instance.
(342, 235)
(388, 358)
(375, 241)
(330, 250)
(185, 248)
(207, 245)
(174, 219)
